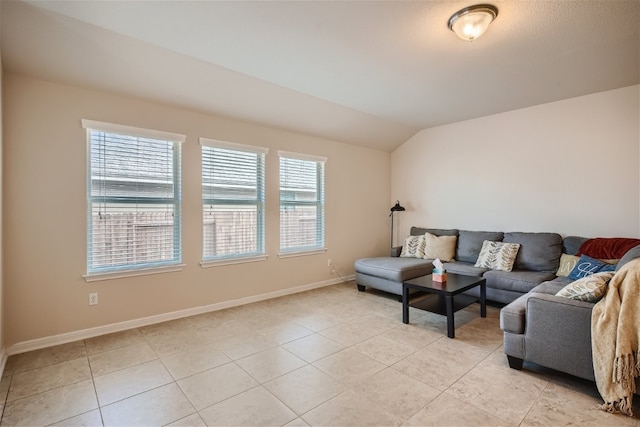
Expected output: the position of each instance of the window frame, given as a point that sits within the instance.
(259, 203)
(127, 270)
(319, 204)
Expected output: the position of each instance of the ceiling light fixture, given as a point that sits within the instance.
(471, 22)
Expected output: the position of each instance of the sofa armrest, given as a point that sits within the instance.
(396, 251)
(558, 334)
(561, 303)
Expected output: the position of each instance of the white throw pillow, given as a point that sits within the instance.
(590, 288)
(413, 247)
(567, 263)
(497, 255)
(441, 247)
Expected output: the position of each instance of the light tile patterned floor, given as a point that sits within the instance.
(328, 357)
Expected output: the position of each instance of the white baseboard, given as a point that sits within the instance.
(39, 343)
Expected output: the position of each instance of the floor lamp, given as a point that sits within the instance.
(394, 208)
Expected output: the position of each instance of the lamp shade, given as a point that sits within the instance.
(471, 22)
(397, 207)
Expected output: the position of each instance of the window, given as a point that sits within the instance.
(301, 203)
(232, 201)
(133, 194)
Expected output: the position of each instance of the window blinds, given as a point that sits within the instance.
(232, 200)
(133, 194)
(301, 202)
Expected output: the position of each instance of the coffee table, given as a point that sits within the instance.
(444, 297)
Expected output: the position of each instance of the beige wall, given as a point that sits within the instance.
(45, 237)
(570, 167)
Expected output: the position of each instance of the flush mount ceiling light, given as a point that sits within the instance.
(471, 22)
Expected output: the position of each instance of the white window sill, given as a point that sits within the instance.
(231, 261)
(132, 273)
(302, 253)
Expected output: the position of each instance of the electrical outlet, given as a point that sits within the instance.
(329, 263)
(93, 298)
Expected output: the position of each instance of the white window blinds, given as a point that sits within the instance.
(133, 194)
(301, 202)
(232, 200)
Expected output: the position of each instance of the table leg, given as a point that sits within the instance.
(405, 304)
(483, 299)
(451, 333)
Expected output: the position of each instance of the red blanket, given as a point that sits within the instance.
(607, 247)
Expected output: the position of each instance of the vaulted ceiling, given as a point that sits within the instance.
(370, 73)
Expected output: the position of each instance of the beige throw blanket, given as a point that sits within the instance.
(615, 334)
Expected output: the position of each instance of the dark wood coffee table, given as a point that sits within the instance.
(441, 296)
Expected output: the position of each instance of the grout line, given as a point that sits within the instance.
(95, 391)
(4, 403)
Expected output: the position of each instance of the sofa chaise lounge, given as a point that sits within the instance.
(537, 261)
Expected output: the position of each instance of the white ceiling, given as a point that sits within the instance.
(366, 73)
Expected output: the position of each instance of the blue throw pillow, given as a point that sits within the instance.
(585, 266)
(608, 267)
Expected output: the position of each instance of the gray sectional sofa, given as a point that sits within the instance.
(538, 326)
(537, 261)
(551, 330)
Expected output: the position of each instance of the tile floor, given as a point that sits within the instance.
(328, 357)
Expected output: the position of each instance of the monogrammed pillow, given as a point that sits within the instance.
(585, 266)
(590, 288)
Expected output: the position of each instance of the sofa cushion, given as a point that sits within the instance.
(590, 288)
(517, 280)
(497, 255)
(538, 251)
(571, 244)
(464, 268)
(417, 231)
(470, 243)
(551, 287)
(413, 247)
(632, 253)
(440, 247)
(396, 269)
